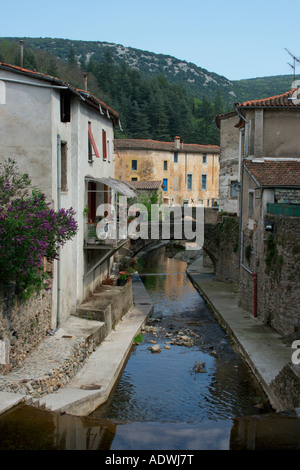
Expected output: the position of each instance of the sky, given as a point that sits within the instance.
(234, 38)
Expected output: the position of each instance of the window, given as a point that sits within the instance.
(134, 165)
(203, 182)
(104, 144)
(91, 144)
(165, 181)
(208, 203)
(204, 158)
(175, 157)
(234, 188)
(134, 179)
(165, 165)
(251, 204)
(185, 202)
(65, 106)
(63, 167)
(189, 181)
(200, 202)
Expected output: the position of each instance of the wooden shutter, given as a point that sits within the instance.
(92, 141)
(104, 147)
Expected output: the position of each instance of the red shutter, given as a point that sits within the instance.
(104, 147)
(93, 141)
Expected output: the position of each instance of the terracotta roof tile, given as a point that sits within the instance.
(275, 173)
(140, 144)
(146, 184)
(286, 100)
(56, 81)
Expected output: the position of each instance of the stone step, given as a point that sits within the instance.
(91, 331)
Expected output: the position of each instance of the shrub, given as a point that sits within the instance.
(29, 232)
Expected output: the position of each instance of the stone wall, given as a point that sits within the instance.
(276, 260)
(22, 326)
(281, 300)
(221, 241)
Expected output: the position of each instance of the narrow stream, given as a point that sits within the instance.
(196, 394)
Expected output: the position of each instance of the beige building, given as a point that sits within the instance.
(190, 172)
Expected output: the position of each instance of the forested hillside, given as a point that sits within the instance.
(150, 107)
(157, 96)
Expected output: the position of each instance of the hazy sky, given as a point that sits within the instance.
(234, 38)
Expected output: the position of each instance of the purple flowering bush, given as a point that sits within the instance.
(30, 230)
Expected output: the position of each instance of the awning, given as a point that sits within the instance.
(118, 185)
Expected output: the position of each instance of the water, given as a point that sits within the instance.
(163, 401)
(165, 387)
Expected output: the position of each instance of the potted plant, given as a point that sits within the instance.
(91, 234)
(108, 281)
(122, 279)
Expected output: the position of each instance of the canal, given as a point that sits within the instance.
(195, 394)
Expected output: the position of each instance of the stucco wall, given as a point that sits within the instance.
(30, 124)
(25, 131)
(281, 134)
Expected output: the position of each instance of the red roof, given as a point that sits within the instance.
(270, 173)
(288, 99)
(89, 97)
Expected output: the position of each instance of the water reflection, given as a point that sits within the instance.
(27, 428)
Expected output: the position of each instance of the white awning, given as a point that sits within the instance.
(118, 185)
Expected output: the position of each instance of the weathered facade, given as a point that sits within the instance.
(260, 155)
(269, 278)
(63, 138)
(190, 172)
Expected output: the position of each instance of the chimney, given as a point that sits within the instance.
(21, 42)
(85, 81)
(177, 142)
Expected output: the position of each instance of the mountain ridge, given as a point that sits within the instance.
(196, 80)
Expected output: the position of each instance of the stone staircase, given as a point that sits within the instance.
(107, 304)
(59, 357)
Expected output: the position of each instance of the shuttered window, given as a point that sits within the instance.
(92, 144)
(104, 145)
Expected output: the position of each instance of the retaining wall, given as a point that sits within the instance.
(22, 326)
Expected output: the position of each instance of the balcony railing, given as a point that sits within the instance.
(109, 237)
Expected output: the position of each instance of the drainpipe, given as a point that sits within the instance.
(59, 250)
(242, 181)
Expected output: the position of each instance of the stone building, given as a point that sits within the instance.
(190, 172)
(270, 244)
(260, 182)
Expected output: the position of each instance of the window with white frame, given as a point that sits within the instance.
(234, 188)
